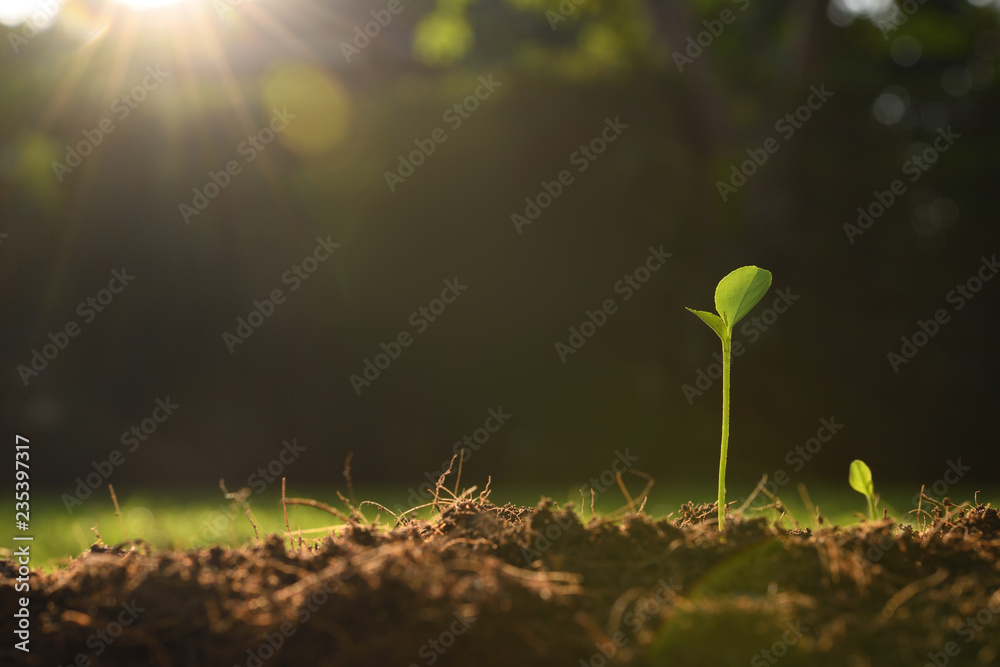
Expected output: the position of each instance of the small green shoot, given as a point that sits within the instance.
(861, 481)
(735, 296)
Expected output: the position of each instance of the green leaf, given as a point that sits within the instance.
(713, 321)
(739, 292)
(861, 478)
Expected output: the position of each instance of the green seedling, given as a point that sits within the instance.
(861, 481)
(735, 296)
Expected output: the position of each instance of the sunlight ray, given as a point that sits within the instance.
(230, 86)
(267, 22)
(208, 38)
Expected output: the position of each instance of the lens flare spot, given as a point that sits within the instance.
(31, 166)
(320, 106)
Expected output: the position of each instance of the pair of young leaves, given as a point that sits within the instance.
(735, 296)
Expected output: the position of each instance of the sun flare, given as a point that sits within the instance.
(142, 5)
(16, 12)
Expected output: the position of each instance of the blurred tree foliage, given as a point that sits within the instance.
(564, 65)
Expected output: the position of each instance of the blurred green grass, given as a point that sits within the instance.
(185, 521)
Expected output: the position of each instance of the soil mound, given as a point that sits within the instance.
(482, 584)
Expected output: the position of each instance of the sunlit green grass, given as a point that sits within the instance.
(186, 521)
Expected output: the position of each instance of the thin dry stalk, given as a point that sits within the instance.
(309, 502)
(628, 498)
(486, 492)
(347, 476)
(439, 487)
(458, 479)
(807, 501)
(256, 535)
(381, 507)
(118, 511)
(650, 482)
(756, 492)
(350, 505)
(776, 506)
(284, 509)
(413, 509)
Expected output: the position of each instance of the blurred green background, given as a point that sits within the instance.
(284, 122)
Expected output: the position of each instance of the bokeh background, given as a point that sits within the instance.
(694, 103)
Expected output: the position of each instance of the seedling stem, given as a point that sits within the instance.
(726, 365)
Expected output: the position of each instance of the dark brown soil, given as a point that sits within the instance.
(483, 585)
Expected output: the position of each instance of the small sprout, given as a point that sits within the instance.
(735, 296)
(861, 481)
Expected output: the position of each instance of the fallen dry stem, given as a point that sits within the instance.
(284, 509)
(118, 510)
(309, 502)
